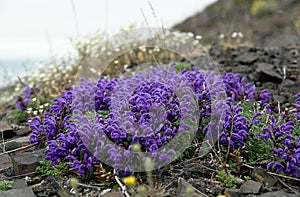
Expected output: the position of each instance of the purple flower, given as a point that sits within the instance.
(254, 118)
(102, 120)
(264, 96)
(235, 131)
(24, 98)
(285, 147)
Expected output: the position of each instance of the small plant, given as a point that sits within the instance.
(227, 180)
(16, 115)
(247, 178)
(46, 169)
(6, 185)
(183, 65)
(232, 166)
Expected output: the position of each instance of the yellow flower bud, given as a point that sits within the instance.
(136, 148)
(130, 180)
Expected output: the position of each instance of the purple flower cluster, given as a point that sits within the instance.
(235, 130)
(286, 147)
(144, 109)
(297, 106)
(24, 98)
(159, 110)
(60, 137)
(237, 89)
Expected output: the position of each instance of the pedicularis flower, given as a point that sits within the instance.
(286, 147)
(24, 98)
(104, 120)
(297, 106)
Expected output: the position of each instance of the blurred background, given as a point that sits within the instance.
(33, 32)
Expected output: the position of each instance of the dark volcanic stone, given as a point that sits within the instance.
(264, 66)
(23, 131)
(10, 146)
(247, 58)
(279, 98)
(262, 175)
(270, 76)
(20, 183)
(278, 194)
(6, 131)
(26, 162)
(233, 192)
(27, 191)
(5, 162)
(251, 187)
(14, 144)
(287, 83)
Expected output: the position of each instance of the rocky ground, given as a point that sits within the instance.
(277, 69)
(263, 23)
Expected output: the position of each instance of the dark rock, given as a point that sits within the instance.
(23, 131)
(277, 194)
(14, 144)
(113, 194)
(19, 184)
(26, 162)
(263, 66)
(287, 83)
(9, 146)
(247, 58)
(5, 162)
(270, 76)
(251, 187)
(233, 192)
(27, 191)
(262, 175)
(6, 131)
(53, 182)
(279, 98)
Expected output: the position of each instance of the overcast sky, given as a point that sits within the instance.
(29, 27)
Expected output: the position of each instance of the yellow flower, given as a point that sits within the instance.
(130, 180)
(74, 182)
(136, 148)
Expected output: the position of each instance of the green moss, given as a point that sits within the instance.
(46, 169)
(257, 149)
(227, 180)
(6, 185)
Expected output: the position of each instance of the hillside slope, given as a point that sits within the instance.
(260, 21)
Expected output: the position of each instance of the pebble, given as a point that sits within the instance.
(251, 187)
